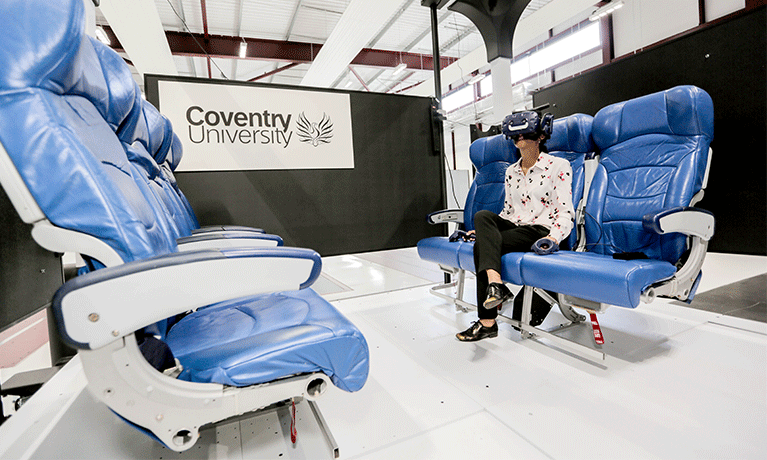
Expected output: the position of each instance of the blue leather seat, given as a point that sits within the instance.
(67, 126)
(491, 156)
(654, 157)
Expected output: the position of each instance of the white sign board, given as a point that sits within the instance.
(237, 127)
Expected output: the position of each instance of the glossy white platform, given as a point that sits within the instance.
(677, 383)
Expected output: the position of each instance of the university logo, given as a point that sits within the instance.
(314, 133)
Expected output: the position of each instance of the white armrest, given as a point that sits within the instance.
(61, 240)
(227, 239)
(223, 229)
(689, 221)
(95, 309)
(445, 216)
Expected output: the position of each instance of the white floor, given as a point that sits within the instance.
(676, 383)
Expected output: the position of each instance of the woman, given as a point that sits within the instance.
(538, 211)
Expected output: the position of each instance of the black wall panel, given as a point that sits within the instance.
(380, 204)
(29, 275)
(728, 61)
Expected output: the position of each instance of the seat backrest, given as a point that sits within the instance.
(653, 156)
(58, 115)
(571, 140)
(168, 166)
(491, 157)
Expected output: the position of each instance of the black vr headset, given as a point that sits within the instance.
(529, 124)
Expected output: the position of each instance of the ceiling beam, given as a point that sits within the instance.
(389, 24)
(140, 30)
(351, 69)
(360, 22)
(205, 29)
(275, 71)
(220, 46)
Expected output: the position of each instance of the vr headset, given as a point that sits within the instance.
(529, 124)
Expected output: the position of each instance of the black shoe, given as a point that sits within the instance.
(478, 332)
(497, 294)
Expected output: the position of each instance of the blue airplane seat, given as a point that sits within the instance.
(654, 159)
(65, 168)
(491, 156)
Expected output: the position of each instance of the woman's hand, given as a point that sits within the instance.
(545, 245)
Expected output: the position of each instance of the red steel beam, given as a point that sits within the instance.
(277, 70)
(221, 46)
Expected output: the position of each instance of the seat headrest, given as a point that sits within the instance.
(123, 92)
(41, 58)
(572, 134)
(175, 153)
(134, 127)
(57, 56)
(486, 150)
(158, 132)
(679, 111)
(164, 152)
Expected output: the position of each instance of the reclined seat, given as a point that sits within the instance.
(654, 160)
(253, 333)
(491, 156)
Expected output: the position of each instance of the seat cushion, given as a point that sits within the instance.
(460, 254)
(594, 277)
(261, 339)
(439, 249)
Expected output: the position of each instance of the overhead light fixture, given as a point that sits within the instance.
(243, 48)
(348, 84)
(605, 10)
(477, 78)
(399, 69)
(102, 36)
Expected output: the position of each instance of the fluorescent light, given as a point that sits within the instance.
(477, 78)
(399, 69)
(348, 84)
(556, 52)
(605, 10)
(102, 36)
(243, 49)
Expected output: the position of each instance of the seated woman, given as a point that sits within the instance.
(537, 214)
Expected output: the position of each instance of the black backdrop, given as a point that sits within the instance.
(380, 204)
(727, 60)
(29, 274)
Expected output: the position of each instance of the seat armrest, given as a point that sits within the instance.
(95, 309)
(226, 229)
(230, 239)
(689, 221)
(445, 216)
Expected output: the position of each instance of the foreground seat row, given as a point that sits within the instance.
(88, 163)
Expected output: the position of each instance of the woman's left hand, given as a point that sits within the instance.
(545, 245)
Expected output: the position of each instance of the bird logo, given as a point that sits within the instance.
(315, 133)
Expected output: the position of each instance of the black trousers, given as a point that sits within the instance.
(497, 236)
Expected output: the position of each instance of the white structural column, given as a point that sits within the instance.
(358, 25)
(546, 18)
(503, 101)
(139, 29)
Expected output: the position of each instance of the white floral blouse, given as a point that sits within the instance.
(542, 197)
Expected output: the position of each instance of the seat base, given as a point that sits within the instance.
(257, 340)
